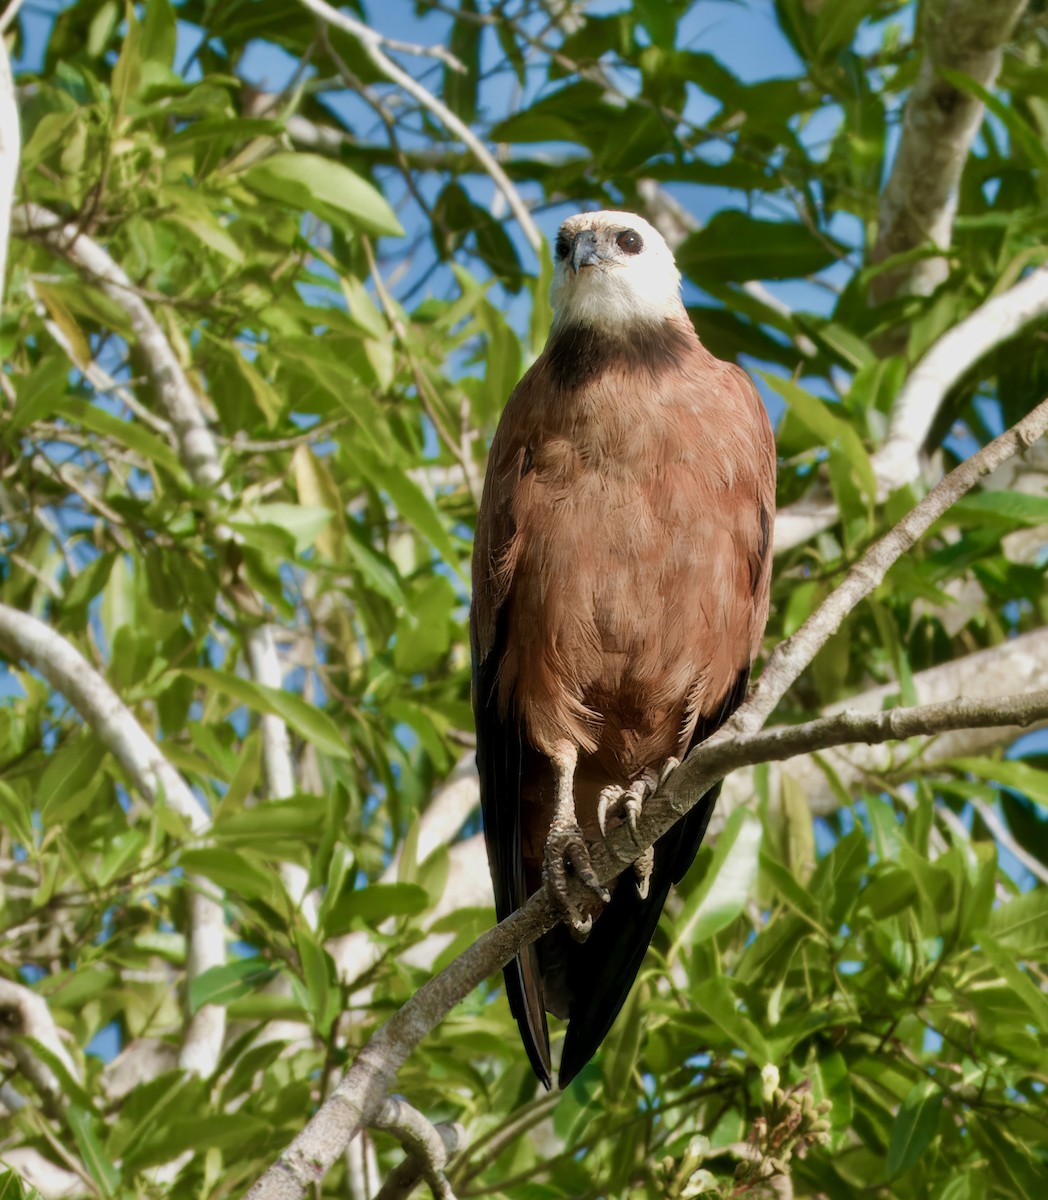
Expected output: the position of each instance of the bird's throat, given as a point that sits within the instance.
(579, 354)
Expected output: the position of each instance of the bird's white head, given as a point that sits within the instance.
(613, 270)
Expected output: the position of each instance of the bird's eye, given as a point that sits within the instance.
(563, 247)
(630, 242)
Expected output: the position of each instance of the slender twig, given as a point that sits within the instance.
(8, 15)
(1004, 838)
(374, 46)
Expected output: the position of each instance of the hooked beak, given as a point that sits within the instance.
(584, 250)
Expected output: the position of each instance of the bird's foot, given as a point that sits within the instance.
(668, 767)
(627, 804)
(566, 848)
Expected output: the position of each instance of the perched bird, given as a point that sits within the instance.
(620, 592)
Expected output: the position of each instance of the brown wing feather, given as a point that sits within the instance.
(507, 765)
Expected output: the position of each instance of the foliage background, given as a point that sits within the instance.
(352, 303)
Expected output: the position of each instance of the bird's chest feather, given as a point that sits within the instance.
(616, 520)
(609, 505)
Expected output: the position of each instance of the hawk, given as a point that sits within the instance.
(621, 576)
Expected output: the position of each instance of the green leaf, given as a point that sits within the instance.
(374, 903)
(317, 973)
(308, 722)
(325, 187)
(1022, 136)
(829, 429)
(460, 87)
(70, 779)
(82, 1124)
(275, 823)
(1016, 978)
(1022, 923)
(304, 523)
(1019, 776)
(39, 394)
(915, 1126)
(1009, 508)
(726, 885)
(737, 247)
(230, 981)
(16, 814)
(714, 999)
(240, 874)
(413, 505)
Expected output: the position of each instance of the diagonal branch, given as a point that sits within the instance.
(360, 1093)
(897, 462)
(791, 656)
(372, 44)
(428, 1148)
(24, 638)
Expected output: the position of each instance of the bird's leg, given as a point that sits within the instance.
(566, 846)
(628, 804)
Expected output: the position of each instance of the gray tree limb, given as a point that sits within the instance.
(374, 46)
(897, 462)
(23, 638)
(10, 152)
(24, 1014)
(940, 122)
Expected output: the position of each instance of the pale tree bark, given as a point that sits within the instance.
(940, 123)
(24, 1014)
(898, 461)
(10, 151)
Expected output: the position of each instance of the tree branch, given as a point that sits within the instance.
(362, 1090)
(373, 46)
(791, 656)
(25, 1015)
(10, 151)
(897, 462)
(183, 406)
(24, 638)
(427, 1146)
(1019, 665)
(939, 125)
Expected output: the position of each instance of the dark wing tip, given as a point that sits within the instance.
(524, 990)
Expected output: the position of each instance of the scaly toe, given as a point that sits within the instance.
(566, 847)
(643, 868)
(607, 802)
(668, 767)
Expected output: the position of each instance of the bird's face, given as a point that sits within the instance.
(612, 270)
